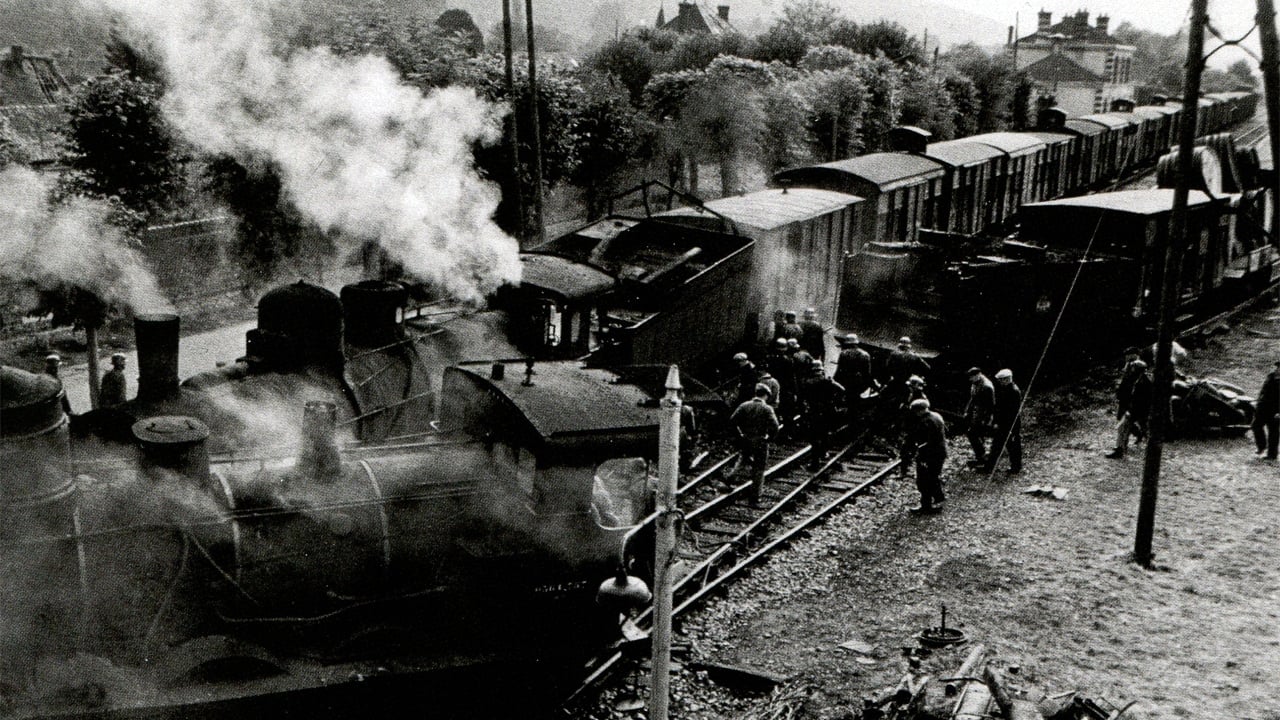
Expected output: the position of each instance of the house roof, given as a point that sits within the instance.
(695, 17)
(30, 79)
(36, 130)
(1059, 68)
(1073, 27)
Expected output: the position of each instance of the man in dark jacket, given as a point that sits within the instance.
(778, 363)
(978, 415)
(902, 364)
(113, 388)
(746, 378)
(928, 447)
(788, 328)
(822, 396)
(1266, 416)
(1134, 403)
(756, 424)
(813, 338)
(853, 372)
(1007, 417)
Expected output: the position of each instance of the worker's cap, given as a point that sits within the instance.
(810, 312)
(117, 357)
(850, 339)
(52, 358)
(790, 314)
(765, 374)
(920, 404)
(763, 391)
(1140, 364)
(1005, 374)
(975, 370)
(780, 342)
(741, 357)
(1132, 351)
(793, 343)
(816, 363)
(915, 380)
(904, 340)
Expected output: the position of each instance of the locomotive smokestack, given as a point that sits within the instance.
(157, 339)
(318, 458)
(173, 444)
(373, 311)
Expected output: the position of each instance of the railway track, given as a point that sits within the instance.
(724, 535)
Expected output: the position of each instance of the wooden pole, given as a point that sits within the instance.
(1171, 247)
(1266, 19)
(665, 545)
(511, 123)
(95, 370)
(539, 230)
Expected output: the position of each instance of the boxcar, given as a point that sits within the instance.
(1085, 167)
(802, 236)
(969, 187)
(1053, 173)
(1023, 153)
(901, 190)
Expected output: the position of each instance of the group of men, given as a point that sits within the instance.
(791, 391)
(112, 391)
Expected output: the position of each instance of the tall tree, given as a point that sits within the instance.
(881, 37)
(993, 81)
(118, 144)
(722, 120)
(629, 59)
(837, 100)
(927, 104)
(883, 81)
(612, 138)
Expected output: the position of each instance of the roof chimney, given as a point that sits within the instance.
(723, 11)
(1103, 22)
(1045, 21)
(1083, 17)
(15, 53)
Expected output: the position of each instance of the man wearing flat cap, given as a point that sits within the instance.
(1007, 416)
(928, 447)
(756, 424)
(1266, 416)
(114, 388)
(978, 415)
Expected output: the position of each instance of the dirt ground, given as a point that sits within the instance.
(1045, 584)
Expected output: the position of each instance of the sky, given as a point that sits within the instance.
(1231, 17)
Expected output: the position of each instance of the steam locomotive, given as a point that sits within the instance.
(168, 577)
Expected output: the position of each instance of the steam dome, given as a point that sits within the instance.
(298, 324)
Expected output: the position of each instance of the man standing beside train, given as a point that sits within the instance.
(853, 372)
(1266, 416)
(756, 424)
(1133, 402)
(114, 390)
(927, 445)
(1008, 423)
(813, 338)
(788, 328)
(978, 415)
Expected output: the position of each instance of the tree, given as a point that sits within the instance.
(722, 120)
(964, 98)
(927, 104)
(611, 138)
(270, 229)
(422, 52)
(629, 59)
(1241, 72)
(458, 24)
(1020, 103)
(134, 57)
(696, 51)
(993, 82)
(810, 18)
(118, 144)
(837, 100)
(881, 37)
(883, 108)
(828, 57)
(780, 43)
(1157, 59)
(785, 137)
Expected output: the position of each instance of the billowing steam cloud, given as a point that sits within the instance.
(359, 151)
(70, 243)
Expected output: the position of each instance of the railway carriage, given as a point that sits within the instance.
(1115, 145)
(902, 191)
(1085, 161)
(1023, 154)
(1054, 171)
(970, 188)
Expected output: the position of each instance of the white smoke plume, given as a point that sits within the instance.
(359, 151)
(50, 244)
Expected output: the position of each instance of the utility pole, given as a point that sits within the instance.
(512, 125)
(667, 531)
(1266, 19)
(1171, 248)
(539, 230)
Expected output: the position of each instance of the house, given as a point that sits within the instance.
(1081, 66)
(32, 95)
(694, 17)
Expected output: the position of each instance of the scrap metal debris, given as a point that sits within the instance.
(1047, 491)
